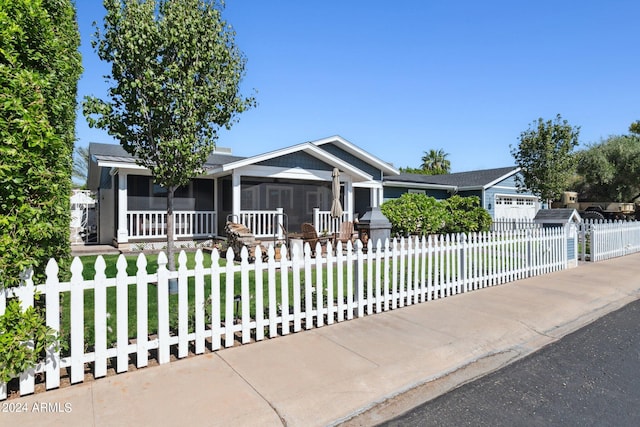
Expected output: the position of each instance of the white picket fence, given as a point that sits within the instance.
(504, 224)
(608, 239)
(249, 302)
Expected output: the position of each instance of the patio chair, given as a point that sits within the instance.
(346, 233)
(310, 235)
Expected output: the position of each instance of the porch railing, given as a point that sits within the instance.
(323, 222)
(153, 224)
(263, 223)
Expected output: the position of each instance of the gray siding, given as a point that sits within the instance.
(396, 192)
(506, 186)
(355, 161)
(298, 159)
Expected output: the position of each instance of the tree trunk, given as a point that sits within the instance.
(170, 234)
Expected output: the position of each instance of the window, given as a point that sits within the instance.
(279, 197)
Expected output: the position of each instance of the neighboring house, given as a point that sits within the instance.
(267, 192)
(496, 189)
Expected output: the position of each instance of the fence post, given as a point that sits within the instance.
(53, 321)
(462, 262)
(27, 378)
(163, 309)
(359, 291)
(528, 249)
(100, 318)
(142, 310)
(77, 322)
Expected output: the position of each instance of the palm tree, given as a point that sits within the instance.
(435, 161)
(80, 166)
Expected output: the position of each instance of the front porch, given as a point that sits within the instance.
(265, 224)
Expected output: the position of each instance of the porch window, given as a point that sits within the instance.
(146, 195)
(296, 198)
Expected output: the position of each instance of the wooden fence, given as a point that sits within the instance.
(230, 303)
(601, 239)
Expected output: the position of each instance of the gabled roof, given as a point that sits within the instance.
(315, 149)
(478, 179)
(557, 216)
(347, 146)
(306, 147)
(219, 163)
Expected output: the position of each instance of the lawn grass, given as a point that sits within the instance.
(449, 258)
(152, 302)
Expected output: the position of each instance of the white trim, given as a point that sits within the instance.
(504, 187)
(122, 233)
(306, 147)
(296, 173)
(368, 184)
(402, 184)
(120, 165)
(503, 177)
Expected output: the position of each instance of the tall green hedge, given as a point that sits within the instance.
(39, 70)
(419, 214)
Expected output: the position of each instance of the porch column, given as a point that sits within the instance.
(348, 198)
(236, 189)
(216, 209)
(122, 234)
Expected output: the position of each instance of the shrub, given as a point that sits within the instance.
(420, 214)
(464, 215)
(18, 328)
(414, 214)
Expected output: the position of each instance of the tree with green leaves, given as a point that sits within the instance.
(610, 169)
(436, 162)
(175, 77)
(634, 128)
(545, 156)
(39, 70)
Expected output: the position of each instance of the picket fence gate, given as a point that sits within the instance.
(288, 295)
(608, 239)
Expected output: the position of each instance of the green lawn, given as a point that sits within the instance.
(450, 258)
(110, 260)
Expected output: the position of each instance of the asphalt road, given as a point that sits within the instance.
(589, 378)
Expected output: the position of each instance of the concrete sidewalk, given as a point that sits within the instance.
(357, 372)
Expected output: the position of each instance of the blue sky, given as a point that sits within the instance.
(399, 78)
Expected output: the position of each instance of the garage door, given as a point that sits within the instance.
(515, 207)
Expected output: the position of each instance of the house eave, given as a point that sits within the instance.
(405, 184)
(305, 147)
(502, 178)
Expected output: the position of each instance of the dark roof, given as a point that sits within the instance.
(560, 216)
(478, 178)
(115, 152)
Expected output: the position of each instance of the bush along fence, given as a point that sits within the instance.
(126, 320)
(600, 240)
